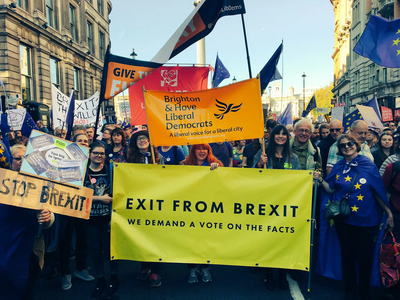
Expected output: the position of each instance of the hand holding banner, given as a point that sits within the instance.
(229, 113)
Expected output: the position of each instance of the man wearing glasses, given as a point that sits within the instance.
(301, 145)
(359, 130)
(335, 131)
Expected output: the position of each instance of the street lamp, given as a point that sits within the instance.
(133, 54)
(270, 88)
(304, 94)
(234, 79)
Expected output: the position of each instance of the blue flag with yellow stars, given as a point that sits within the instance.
(380, 42)
(311, 105)
(28, 125)
(350, 118)
(270, 72)
(220, 73)
(365, 211)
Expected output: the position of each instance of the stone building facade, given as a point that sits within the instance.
(358, 79)
(60, 42)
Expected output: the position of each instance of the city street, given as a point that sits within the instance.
(233, 283)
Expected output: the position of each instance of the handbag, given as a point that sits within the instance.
(339, 209)
(389, 260)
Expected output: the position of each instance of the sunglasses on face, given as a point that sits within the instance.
(335, 129)
(18, 158)
(142, 139)
(98, 153)
(344, 145)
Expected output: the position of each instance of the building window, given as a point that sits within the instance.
(102, 42)
(377, 76)
(355, 41)
(26, 72)
(50, 12)
(55, 72)
(371, 75)
(90, 37)
(357, 82)
(384, 75)
(356, 12)
(77, 83)
(73, 23)
(100, 7)
(23, 4)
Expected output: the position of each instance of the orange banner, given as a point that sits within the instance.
(229, 113)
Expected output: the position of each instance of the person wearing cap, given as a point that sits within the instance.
(139, 152)
(372, 139)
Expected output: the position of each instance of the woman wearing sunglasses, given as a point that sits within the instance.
(357, 176)
(97, 227)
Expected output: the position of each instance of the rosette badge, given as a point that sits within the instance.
(225, 109)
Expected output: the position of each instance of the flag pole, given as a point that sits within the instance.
(263, 149)
(247, 48)
(282, 81)
(102, 89)
(148, 127)
(312, 231)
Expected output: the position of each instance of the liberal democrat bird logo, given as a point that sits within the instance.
(226, 109)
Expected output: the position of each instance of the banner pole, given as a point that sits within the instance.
(148, 127)
(312, 232)
(263, 149)
(247, 48)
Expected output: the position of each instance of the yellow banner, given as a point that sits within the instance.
(229, 113)
(29, 192)
(228, 216)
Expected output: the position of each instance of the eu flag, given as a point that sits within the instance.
(350, 118)
(380, 42)
(270, 72)
(329, 251)
(69, 119)
(28, 125)
(286, 117)
(311, 105)
(220, 73)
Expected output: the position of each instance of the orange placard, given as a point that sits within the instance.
(122, 76)
(229, 113)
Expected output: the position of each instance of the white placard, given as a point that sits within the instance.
(323, 110)
(337, 113)
(369, 116)
(85, 110)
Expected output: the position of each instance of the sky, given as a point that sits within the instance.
(306, 28)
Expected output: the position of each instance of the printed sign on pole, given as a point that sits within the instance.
(230, 113)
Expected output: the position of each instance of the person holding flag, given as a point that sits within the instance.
(139, 152)
(277, 156)
(356, 176)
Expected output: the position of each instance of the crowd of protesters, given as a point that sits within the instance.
(324, 148)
